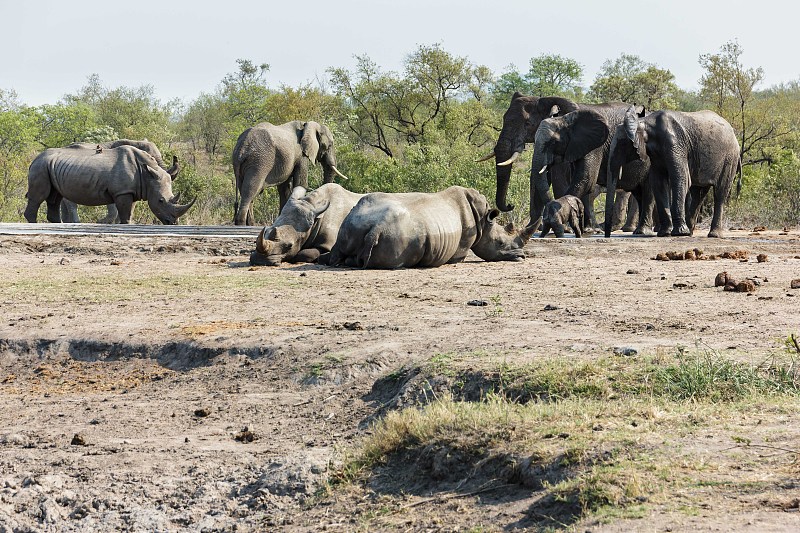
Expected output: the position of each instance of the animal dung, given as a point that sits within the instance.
(697, 254)
(478, 303)
(729, 284)
(795, 284)
(78, 440)
(722, 279)
(761, 258)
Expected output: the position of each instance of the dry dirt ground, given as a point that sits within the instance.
(161, 383)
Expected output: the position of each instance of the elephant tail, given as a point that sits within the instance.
(370, 241)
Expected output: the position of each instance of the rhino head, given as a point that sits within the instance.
(501, 243)
(163, 203)
(295, 224)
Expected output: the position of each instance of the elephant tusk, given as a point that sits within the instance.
(336, 170)
(490, 155)
(510, 160)
(543, 169)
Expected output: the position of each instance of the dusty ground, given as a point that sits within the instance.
(134, 372)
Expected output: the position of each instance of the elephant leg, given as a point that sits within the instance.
(693, 202)
(620, 209)
(631, 214)
(589, 220)
(124, 203)
(679, 184)
(575, 224)
(545, 230)
(660, 187)
(720, 195)
(644, 195)
(249, 188)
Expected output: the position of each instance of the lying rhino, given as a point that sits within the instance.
(418, 229)
(560, 212)
(306, 227)
(120, 175)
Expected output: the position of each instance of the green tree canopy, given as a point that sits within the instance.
(630, 79)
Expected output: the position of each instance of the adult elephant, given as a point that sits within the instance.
(69, 209)
(520, 123)
(688, 153)
(580, 139)
(267, 154)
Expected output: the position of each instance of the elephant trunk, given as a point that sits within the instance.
(540, 186)
(503, 179)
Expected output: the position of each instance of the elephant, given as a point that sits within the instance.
(688, 153)
(581, 138)
(520, 124)
(120, 175)
(69, 209)
(267, 154)
(395, 230)
(306, 228)
(560, 212)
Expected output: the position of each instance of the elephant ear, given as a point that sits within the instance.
(641, 111)
(310, 140)
(587, 130)
(635, 132)
(544, 106)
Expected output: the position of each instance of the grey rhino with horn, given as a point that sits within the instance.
(306, 227)
(395, 230)
(120, 175)
(69, 209)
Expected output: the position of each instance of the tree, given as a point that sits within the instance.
(554, 75)
(19, 128)
(630, 79)
(730, 89)
(548, 75)
(246, 92)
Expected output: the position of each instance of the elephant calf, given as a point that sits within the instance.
(565, 210)
(306, 228)
(413, 229)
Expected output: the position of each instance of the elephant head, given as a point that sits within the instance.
(286, 236)
(520, 122)
(566, 139)
(628, 144)
(317, 144)
(157, 185)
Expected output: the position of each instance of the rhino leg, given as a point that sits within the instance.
(54, 207)
(309, 255)
(31, 210)
(124, 203)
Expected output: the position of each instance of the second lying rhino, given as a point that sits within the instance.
(306, 226)
(386, 230)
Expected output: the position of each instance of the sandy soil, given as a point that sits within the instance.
(153, 383)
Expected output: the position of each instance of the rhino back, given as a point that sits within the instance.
(404, 230)
(90, 178)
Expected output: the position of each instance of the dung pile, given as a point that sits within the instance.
(697, 254)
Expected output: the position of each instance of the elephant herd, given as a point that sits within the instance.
(667, 160)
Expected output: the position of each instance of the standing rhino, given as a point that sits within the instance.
(120, 175)
(567, 210)
(69, 209)
(306, 227)
(387, 230)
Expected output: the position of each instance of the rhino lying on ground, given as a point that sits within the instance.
(397, 230)
(306, 228)
(120, 175)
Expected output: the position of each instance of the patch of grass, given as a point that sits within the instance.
(606, 438)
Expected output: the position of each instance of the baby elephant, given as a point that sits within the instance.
(565, 210)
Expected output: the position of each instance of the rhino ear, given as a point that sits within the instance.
(493, 214)
(153, 173)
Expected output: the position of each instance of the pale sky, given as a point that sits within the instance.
(49, 48)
